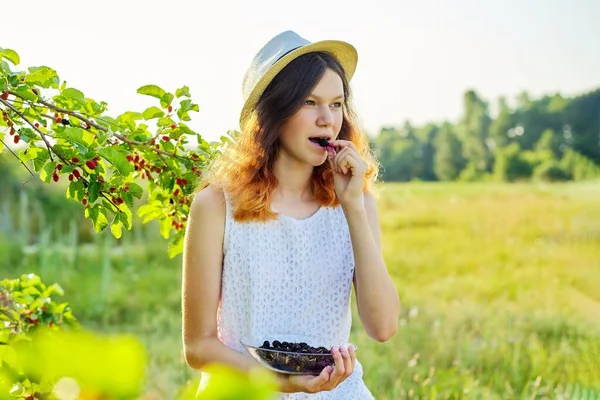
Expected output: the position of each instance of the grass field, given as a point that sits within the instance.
(500, 289)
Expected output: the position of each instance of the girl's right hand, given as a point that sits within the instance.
(330, 377)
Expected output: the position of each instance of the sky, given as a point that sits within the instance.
(416, 58)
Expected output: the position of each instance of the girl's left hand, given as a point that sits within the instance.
(349, 171)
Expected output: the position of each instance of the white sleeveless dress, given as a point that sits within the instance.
(290, 277)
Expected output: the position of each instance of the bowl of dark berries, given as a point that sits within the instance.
(292, 355)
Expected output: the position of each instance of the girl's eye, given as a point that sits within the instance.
(313, 103)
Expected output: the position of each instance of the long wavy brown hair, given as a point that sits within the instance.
(244, 168)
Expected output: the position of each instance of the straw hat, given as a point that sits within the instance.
(279, 52)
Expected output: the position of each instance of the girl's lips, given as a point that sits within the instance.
(317, 145)
(323, 142)
(329, 148)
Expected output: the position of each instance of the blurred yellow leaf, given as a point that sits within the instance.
(113, 365)
(225, 383)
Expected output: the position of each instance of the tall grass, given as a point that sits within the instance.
(500, 288)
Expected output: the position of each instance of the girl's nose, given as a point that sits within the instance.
(325, 116)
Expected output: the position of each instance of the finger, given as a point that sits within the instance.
(344, 143)
(331, 153)
(350, 151)
(348, 363)
(347, 145)
(335, 165)
(357, 164)
(338, 371)
(311, 384)
(322, 378)
(320, 382)
(340, 160)
(331, 163)
(352, 355)
(344, 163)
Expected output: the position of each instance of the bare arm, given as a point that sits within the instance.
(377, 298)
(201, 290)
(201, 284)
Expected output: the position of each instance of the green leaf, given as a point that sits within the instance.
(151, 90)
(46, 173)
(128, 199)
(10, 55)
(5, 67)
(151, 211)
(116, 227)
(76, 190)
(166, 121)
(152, 112)
(187, 105)
(1, 142)
(126, 215)
(93, 191)
(40, 159)
(186, 129)
(136, 190)
(166, 99)
(175, 246)
(117, 159)
(43, 76)
(55, 288)
(31, 153)
(74, 94)
(30, 280)
(129, 117)
(165, 227)
(97, 214)
(27, 135)
(168, 146)
(182, 91)
(25, 92)
(77, 135)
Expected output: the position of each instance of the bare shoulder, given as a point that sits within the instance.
(208, 199)
(207, 215)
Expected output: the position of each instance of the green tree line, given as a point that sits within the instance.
(552, 138)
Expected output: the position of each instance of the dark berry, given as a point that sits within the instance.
(323, 142)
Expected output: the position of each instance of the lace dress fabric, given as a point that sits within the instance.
(290, 277)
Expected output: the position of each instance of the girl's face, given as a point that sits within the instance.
(320, 116)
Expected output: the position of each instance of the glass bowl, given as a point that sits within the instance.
(292, 359)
